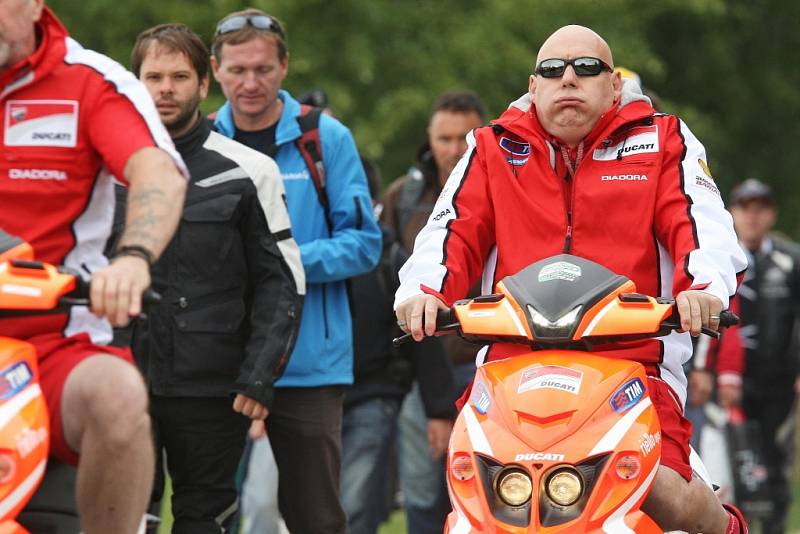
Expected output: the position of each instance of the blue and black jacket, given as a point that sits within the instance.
(323, 354)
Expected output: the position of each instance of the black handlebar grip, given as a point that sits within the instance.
(444, 318)
(150, 297)
(728, 318)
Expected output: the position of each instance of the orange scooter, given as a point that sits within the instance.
(559, 439)
(27, 287)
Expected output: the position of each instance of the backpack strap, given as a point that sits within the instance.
(409, 198)
(310, 148)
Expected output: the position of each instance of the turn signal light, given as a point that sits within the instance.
(8, 467)
(462, 467)
(628, 467)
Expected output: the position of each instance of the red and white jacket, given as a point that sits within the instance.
(642, 203)
(70, 119)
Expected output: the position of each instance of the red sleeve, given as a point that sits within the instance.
(122, 120)
(730, 354)
(470, 234)
(450, 251)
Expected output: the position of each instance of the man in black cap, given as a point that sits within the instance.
(756, 363)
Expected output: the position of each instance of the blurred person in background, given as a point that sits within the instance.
(408, 204)
(755, 365)
(332, 221)
(383, 376)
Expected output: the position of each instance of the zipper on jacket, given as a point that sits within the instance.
(568, 205)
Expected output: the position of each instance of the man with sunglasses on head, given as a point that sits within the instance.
(338, 239)
(583, 165)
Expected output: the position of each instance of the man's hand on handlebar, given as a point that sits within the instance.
(698, 309)
(116, 290)
(417, 315)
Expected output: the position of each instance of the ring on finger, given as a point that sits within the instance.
(401, 323)
(714, 317)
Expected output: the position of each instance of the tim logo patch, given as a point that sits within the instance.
(517, 153)
(630, 393)
(41, 123)
(641, 140)
(13, 379)
(551, 377)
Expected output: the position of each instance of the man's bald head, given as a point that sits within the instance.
(577, 38)
(569, 106)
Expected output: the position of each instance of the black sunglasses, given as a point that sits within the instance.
(584, 66)
(259, 22)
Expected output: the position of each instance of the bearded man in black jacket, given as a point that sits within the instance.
(232, 286)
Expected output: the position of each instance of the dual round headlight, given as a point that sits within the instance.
(514, 487)
(564, 487)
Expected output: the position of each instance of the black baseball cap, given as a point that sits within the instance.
(752, 189)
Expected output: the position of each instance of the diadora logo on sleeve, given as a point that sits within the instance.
(627, 395)
(41, 123)
(640, 141)
(13, 379)
(518, 152)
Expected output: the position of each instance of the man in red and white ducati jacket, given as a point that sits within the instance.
(70, 121)
(584, 165)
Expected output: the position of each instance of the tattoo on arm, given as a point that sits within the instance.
(146, 216)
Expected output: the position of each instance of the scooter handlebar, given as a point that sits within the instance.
(80, 296)
(444, 319)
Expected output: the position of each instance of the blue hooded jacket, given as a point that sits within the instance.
(323, 354)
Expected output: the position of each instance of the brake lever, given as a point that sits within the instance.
(669, 327)
(445, 330)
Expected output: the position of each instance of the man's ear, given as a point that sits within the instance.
(616, 83)
(204, 83)
(214, 66)
(532, 85)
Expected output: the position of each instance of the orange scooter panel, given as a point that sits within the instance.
(23, 251)
(32, 288)
(24, 426)
(501, 318)
(547, 392)
(550, 409)
(616, 317)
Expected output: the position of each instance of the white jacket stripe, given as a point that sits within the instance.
(713, 224)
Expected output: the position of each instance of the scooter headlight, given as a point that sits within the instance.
(514, 487)
(560, 328)
(564, 487)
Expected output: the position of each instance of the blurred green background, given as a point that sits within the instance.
(721, 65)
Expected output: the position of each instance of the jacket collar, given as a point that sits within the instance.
(193, 140)
(288, 129)
(520, 117)
(51, 50)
